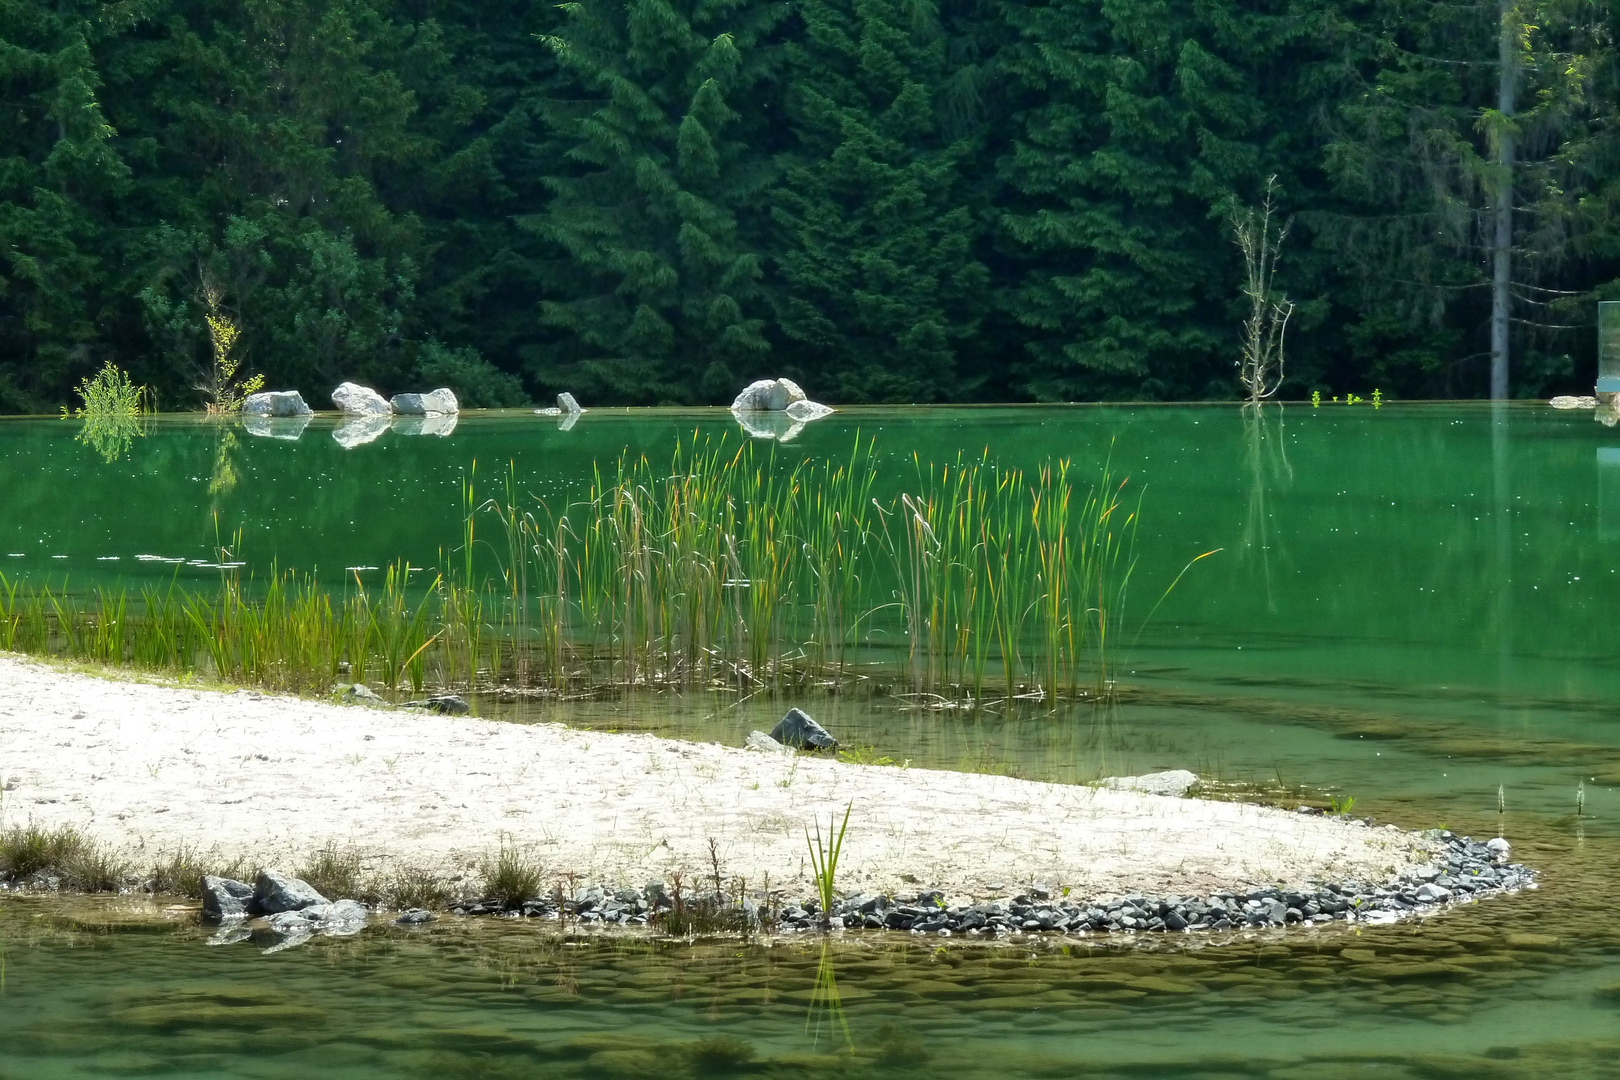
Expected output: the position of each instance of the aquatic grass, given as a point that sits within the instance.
(726, 567)
(824, 861)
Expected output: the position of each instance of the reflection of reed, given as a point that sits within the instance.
(1266, 457)
(111, 434)
(826, 1007)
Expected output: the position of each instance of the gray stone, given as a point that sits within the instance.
(434, 402)
(796, 729)
(341, 918)
(1176, 782)
(361, 694)
(567, 404)
(1433, 894)
(763, 743)
(274, 892)
(768, 395)
(276, 403)
(448, 704)
(1498, 847)
(361, 430)
(224, 898)
(807, 410)
(414, 917)
(357, 400)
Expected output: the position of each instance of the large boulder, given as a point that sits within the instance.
(768, 395)
(224, 898)
(276, 403)
(274, 892)
(357, 400)
(440, 402)
(797, 730)
(566, 403)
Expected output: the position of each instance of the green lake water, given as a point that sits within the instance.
(1411, 606)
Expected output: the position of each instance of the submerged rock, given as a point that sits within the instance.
(797, 729)
(275, 892)
(224, 898)
(360, 430)
(288, 428)
(276, 403)
(440, 402)
(1174, 782)
(768, 395)
(357, 400)
(414, 917)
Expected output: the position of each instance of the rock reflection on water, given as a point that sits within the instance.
(440, 424)
(360, 430)
(287, 428)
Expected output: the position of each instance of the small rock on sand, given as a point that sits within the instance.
(1175, 782)
(796, 729)
(758, 740)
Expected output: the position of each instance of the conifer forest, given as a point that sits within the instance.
(654, 201)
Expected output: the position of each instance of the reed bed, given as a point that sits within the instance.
(723, 567)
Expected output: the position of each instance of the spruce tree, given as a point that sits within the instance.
(656, 291)
(879, 284)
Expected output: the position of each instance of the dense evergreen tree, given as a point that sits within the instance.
(658, 292)
(879, 252)
(910, 200)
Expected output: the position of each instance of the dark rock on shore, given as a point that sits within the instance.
(225, 898)
(274, 892)
(448, 704)
(797, 730)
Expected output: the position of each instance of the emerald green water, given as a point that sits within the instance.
(1411, 605)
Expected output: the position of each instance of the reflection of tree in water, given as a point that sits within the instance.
(110, 434)
(826, 1006)
(1266, 458)
(225, 476)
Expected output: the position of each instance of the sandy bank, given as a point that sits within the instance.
(149, 769)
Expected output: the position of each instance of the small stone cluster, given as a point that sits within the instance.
(288, 910)
(1463, 869)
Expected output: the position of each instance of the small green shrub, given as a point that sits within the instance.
(335, 874)
(511, 877)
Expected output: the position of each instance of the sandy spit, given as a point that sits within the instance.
(150, 769)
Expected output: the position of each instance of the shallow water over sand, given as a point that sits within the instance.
(1412, 607)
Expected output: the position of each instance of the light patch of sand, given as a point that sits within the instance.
(149, 769)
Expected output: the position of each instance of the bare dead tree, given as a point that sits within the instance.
(1260, 238)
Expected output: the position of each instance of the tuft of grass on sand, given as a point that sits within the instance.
(511, 876)
(338, 875)
(65, 852)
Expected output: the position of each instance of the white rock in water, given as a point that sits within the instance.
(1499, 847)
(358, 400)
(276, 403)
(566, 402)
(1174, 782)
(440, 402)
(359, 430)
(1570, 401)
(807, 410)
(768, 395)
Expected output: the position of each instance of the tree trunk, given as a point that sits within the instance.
(1502, 243)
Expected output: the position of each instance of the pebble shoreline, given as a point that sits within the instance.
(1463, 870)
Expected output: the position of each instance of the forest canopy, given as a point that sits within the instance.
(655, 201)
